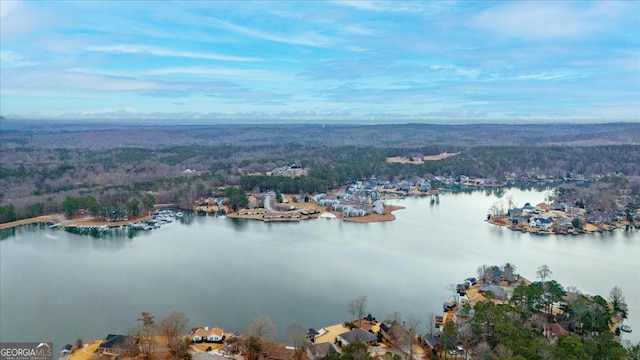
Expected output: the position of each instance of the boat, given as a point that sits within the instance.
(625, 328)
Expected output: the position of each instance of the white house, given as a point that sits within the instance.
(66, 350)
(541, 223)
(215, 334)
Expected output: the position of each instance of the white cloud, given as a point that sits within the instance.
(359, 30)
(75, 81)
(307, 38)
(224, 72)
(363, 4)
(547, 19)
(155, 51)
(10, 58)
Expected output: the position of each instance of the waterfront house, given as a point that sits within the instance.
(462, 288)
(434, 341)
(311, 335)
(498, 292)
(394, 333)
(564, 222)
(356, 335)
(319, 351)
(449, 306)
(541, 223)
(561, 206)
(214, 335)
(518, 216)
(527, 208)
(543, 207)
(471, 280)
(117, 346)
(66, 350)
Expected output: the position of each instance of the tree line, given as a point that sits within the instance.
(37, 181)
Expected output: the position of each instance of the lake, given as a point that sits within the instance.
(57, 286)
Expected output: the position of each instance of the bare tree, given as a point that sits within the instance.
(357, 307)
(482, 272)
(543, 272)
(454, 292)
(259, 331)
(146, 333)
(412, 326)
(79, 343)
(296, 336)
(396, 316)
(431, 319)
(172, 327)
(261, 328)
(616, 297)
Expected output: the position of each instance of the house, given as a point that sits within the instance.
(434, 340)
(471, 281)
(117, 345)
(311, 335)
(493, 274)
(356, 335)
(498, 292)
(462, 288)
(527, 208)
(544, 207)
(564, 222)
(66, 350)
(206, 335)
(541, 223)
(561, 206)
(449, 306)
(318, 351)
(395, 333)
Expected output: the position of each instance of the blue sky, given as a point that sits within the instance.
(363, 61)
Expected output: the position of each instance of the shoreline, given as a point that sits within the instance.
(285, 217)
(56, 220)
(586, 229)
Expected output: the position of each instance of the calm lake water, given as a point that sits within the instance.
(56, 286)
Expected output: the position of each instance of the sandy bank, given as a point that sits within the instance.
(35, 220)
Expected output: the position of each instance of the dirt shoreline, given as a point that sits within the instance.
(56, 219)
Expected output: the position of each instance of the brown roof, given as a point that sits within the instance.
(543, 206)
(206, 333)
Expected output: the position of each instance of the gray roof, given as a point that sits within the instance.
(358, 335)
(496, 290)
(434, 339)
(323, 349)
(121, 342)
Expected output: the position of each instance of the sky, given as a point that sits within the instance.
(304, 61)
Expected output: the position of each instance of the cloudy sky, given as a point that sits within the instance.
(366, 61)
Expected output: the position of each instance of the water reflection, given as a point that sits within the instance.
(225, 272)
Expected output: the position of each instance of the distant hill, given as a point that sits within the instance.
(96, 135)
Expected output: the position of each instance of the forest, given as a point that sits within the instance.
(36, 179)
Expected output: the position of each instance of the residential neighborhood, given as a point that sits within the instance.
(482, 310)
